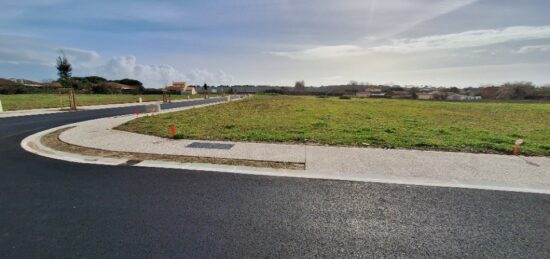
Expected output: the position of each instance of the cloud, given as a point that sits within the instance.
(198, 76)
(156, 76)
(22, 56)
(465, 39)
(535, 48)
(18, 50)
(35, 52)
(79, 55)
(323, 52)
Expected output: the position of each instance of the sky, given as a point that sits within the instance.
(277, 42)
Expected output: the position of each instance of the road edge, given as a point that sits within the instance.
(33, 145)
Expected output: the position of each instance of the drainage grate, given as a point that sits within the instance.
(210, 145)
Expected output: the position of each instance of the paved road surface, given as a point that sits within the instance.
(52, 208)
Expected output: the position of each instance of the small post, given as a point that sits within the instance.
(140, 100)
(172, 131)
(517, 146)
(60, 99)
(1, 108)
(164, 98)
(73, 99)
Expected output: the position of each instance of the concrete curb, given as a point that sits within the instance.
(32, 112)
(32, 144)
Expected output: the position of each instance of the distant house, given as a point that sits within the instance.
(461, 97)
(425, 96)
(26, 82)
(246, 89)
(456, 97)
(362, 94)
(182, 88)
(401, 95)
(257, 89)
(372, 93)
(119, 88)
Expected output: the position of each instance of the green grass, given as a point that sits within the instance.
(451, 126)
(36, 101)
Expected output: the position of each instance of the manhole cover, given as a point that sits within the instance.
(210, 145)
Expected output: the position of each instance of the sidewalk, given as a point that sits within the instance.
(483, 171)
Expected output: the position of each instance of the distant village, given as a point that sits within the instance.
(99, 85)
(507, 91)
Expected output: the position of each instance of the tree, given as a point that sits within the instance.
(131, 82)
(414, 92)
(64, 70)
(205, 86)
(515, 91)
(95, 79)
(300, 86)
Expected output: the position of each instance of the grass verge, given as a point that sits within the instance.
(52, 140)
(410, 124)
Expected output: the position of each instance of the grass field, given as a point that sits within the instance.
(451, 126)
(36, 101)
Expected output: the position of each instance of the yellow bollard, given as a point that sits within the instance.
(1, 108)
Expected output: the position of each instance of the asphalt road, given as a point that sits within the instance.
(54, 209)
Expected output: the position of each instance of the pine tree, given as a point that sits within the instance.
(64, 70)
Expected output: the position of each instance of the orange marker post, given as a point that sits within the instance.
(517, 145)
(172, 131)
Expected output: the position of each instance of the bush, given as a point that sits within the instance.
(23, 89)
(515, 91)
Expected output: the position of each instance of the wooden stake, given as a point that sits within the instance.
(73, 99)
(517, 146)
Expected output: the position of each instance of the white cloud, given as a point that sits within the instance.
(79, 55)
(155, 76)
(23, 56)
(332, 80)
(15, 50)
(199, 76)
(535, 48)
(465, 39)
(323, 52)
(398, 16)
